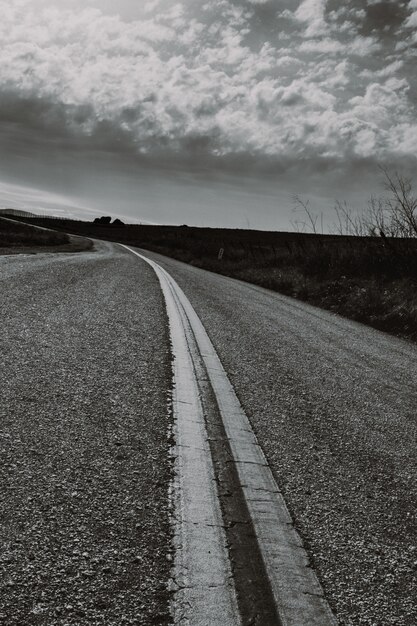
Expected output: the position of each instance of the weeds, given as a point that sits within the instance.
(14, 234)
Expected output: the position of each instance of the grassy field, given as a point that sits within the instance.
(17, 237)
(369, 279)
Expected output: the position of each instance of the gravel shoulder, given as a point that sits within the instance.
(333, 404)
(84, 441)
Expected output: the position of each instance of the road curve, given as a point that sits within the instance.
(84, 514)
(333, 406)
(205, 591)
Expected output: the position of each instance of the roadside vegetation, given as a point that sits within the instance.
(17, 237)
(14, 234)
(366, 270)
(371, 280)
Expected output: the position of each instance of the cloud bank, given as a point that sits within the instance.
(327, 82)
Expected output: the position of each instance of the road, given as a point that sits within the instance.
(85, 371)
(332, 404)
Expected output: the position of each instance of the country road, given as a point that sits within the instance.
(85, 371)
(85, 435)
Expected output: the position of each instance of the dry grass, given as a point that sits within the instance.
(373, 282)
(14, 234)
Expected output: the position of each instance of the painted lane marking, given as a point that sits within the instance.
(204, 591)
(296, 590)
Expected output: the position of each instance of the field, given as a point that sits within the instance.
(368, 279)
(17, 237)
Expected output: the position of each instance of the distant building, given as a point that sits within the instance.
(17, 213)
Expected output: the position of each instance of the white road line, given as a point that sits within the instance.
(204, 589)
(297, 592)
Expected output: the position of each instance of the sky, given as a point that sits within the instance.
(213, 113)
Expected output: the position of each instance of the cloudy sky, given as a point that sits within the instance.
(207, 113)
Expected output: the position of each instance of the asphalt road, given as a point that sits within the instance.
(334, 406)
(85, 366)
(84, 466)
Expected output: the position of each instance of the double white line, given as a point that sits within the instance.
(204, 590)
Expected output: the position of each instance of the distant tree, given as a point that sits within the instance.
(118, 222)
(104, 219)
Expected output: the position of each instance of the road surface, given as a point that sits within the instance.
(332, 404)
(84, 441)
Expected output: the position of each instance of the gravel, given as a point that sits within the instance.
(84, 441)
(333, 404)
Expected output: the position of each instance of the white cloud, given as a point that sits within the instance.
(172, 81)
(382, 105)
(364, 46)
(361, 46)
(411, 21)
(312, 13)
(322, 46)
(389, 70)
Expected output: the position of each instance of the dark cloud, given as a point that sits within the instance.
(384, 16)
(295, 92)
